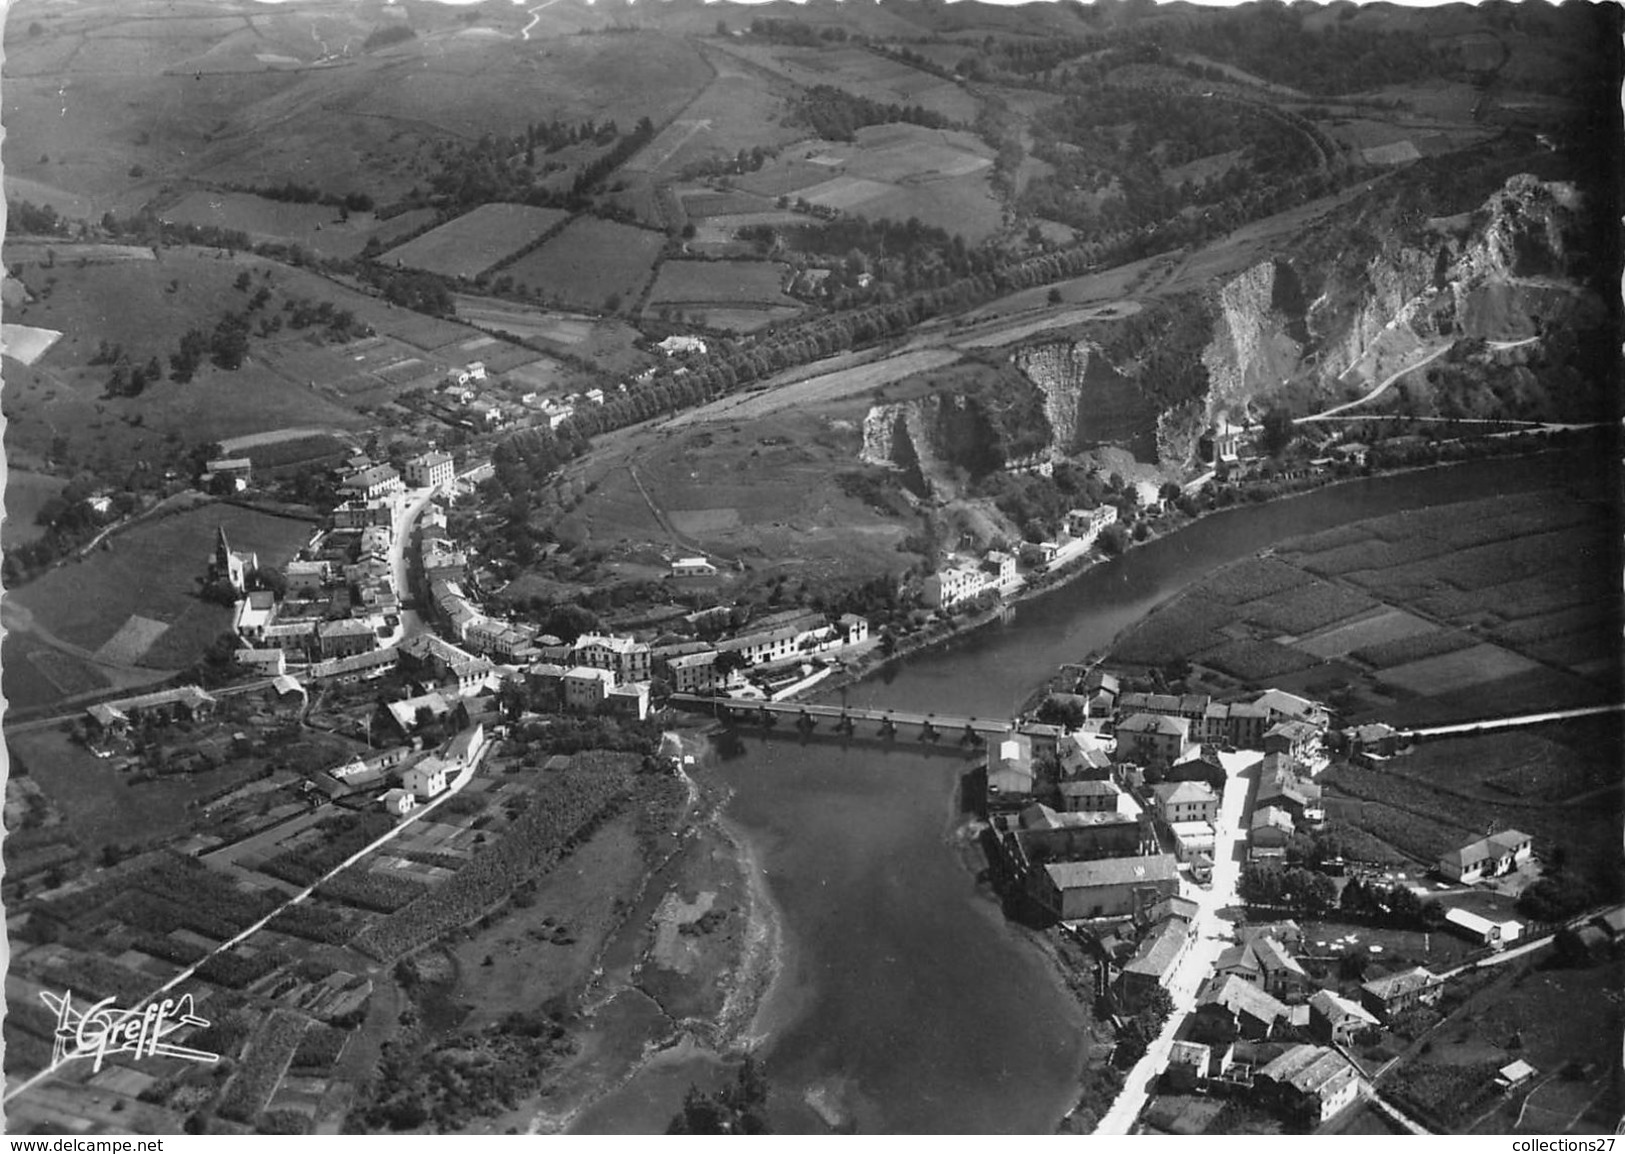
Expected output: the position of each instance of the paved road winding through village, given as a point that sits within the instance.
(1210, 934)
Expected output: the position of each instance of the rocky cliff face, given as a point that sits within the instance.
(1251, 351)
(1359, 298)
(931, 438)
(1390, 289)
(1059, 371)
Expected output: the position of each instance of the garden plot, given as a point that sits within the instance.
(475, 241)
(1182, 629)
(1306, 608)
(423, 332)
(132, 641)
(1253, 579)
(1403, 650)
(1384, 626)
(1530, 597)
(542, 374)
(1256, 661)
(1368, 555)
(1459, 670)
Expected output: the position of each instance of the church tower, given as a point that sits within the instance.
(231, 566)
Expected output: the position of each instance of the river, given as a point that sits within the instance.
(906, 1003)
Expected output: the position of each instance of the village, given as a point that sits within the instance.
(1137, 820)
(1144, 825)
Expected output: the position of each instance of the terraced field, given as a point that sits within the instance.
(1427, 616)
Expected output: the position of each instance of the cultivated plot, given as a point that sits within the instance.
(733, 282)
(475, 241)
(1384, 626)
(896, 171)
(589, 263)
(1459, 670)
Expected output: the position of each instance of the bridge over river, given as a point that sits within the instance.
(844, 719)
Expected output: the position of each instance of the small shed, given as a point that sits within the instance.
(1514, 1074)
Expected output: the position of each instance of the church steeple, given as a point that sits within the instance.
(222, 549)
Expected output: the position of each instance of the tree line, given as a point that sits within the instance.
(836, 114)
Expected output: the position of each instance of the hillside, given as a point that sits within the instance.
(943, 249)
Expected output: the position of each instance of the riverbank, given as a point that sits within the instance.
(744, 1023)
(675, 993)
(669, 946)
(940, 635)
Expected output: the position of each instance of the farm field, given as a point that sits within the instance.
(355, 374)
(1306, 608)
(524, 321)
(26, 494)
(321, 228)
(472, 243)
(588, 263)
(72, 253)
(154, 571)
(1181, 629)
(741, 282)
(145, 307)
(717, 234)
(1545, 765)
(99, 804)
(894, 171)
(1459, 670)
(610, 342)
(742, 108)
(1426, 817)
(773, 484)
(738, 295)
(1528, 1012)
(1416, 618)
(1385, 626)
